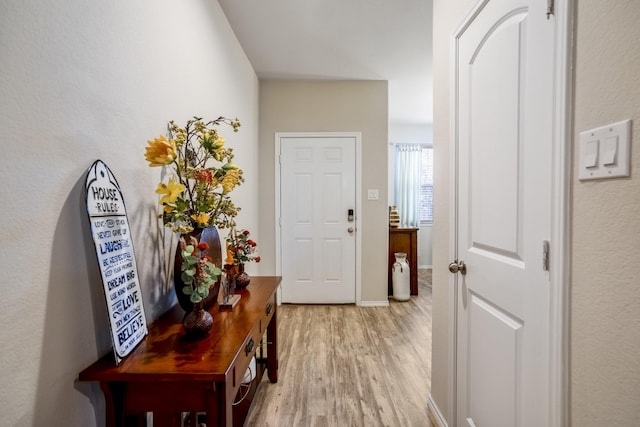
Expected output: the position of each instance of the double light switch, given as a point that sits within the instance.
(604, 151)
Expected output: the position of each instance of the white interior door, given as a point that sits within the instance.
(504, 106)
(317, 191)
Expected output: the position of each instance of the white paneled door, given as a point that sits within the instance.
(317, 193)
(504, 106)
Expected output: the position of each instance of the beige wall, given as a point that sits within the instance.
(605, 289)
(80, 82)
(331, 106)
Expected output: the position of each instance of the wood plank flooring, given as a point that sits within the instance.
(342, 365)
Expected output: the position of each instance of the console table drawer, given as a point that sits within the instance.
(171, 396)
(252, 341)
(246, 352)
(269, 309)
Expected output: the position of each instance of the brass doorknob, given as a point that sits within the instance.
(458, 266)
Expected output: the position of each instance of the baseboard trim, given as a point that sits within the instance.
(425, 267)
(434, 413)
(384, 303)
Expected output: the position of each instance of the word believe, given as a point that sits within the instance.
(130, 329)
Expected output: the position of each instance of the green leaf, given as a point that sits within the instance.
(195, 298)
(189, 260)
(187, 290)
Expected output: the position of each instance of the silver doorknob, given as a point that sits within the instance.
(458, 266)
(350, 230)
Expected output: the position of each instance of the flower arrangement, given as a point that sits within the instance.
(198, 271)
(240, 247)
(197, 195)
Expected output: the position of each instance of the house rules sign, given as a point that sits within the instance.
(117, 262)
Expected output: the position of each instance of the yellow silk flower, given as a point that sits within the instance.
(170, 191)
(202, 219)
(217, 148)
(218, 144)
(230, 180)
(160, 152)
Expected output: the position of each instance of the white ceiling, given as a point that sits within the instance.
(345, 40)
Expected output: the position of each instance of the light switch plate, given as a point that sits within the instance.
(372, 194)
(605, 151)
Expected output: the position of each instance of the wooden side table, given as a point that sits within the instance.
(404, 240)
(167, 374)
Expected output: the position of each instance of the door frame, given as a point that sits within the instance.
(279, 136)
(560, 254)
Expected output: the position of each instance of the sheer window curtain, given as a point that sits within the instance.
(407, 183)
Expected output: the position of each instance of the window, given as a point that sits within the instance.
(426, 186)
(414, 184)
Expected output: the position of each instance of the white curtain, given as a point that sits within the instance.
(407, 183)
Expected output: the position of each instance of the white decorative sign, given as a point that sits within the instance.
(117, 262)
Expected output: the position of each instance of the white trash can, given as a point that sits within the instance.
(400, 277)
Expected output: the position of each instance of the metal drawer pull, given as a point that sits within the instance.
(269, 308)
(249, 347)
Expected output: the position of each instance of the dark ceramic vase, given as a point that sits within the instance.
(211, 237)
(198, 322)
(242, 278)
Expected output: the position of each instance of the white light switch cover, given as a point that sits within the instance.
(591, 153)
(605, 151)
(372, 194)
(610, 150)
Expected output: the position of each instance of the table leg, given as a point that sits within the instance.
(114, 402)
(114, 397)
(272, 346)
(220, 408)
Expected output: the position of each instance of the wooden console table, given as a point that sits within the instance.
(404, 240)
(167, 374)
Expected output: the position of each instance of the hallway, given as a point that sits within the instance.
(351, 366)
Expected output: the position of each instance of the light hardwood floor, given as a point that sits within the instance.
(343, 365)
